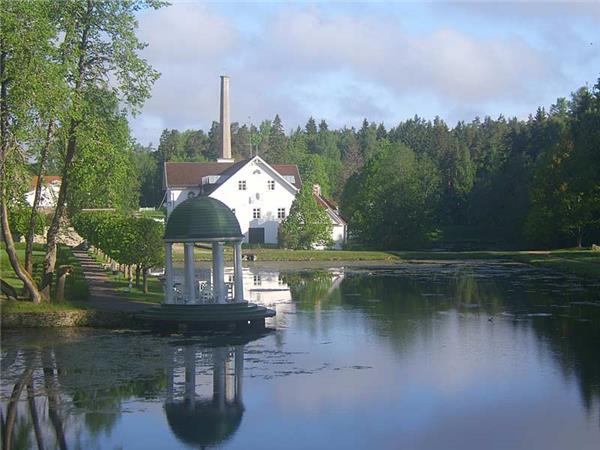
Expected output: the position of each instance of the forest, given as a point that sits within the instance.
(488, 183)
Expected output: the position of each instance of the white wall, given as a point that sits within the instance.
(48, 195)
(256, 195)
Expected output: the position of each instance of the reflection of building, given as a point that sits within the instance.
(205, 409)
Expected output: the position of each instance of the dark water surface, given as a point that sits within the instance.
(466, 355)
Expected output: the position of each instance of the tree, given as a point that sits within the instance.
(149, 248)
(307, 225)
(391, 202)
(101, 53)
(277, 142)
(29, 85)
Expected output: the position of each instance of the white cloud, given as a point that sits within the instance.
(343, 63)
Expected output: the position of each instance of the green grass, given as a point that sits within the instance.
(155, 290)
(76, 288)
(121, 285)
(277, 254)
(12, 306)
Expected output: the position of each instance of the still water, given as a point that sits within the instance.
(466, 355)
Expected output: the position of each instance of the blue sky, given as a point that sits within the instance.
(343, 62)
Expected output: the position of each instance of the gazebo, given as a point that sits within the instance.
(212, 302)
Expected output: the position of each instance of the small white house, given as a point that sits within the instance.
(48, 194)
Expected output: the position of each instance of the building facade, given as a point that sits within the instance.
(259, 194)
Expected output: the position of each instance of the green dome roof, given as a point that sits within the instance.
(202, 218)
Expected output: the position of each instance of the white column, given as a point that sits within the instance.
(219, 378)
(239, 372)
(218, 272)
(170, 376)
(190, 374)
(169, 273)
(238, 273)
(190, 283)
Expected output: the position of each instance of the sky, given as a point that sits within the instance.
(346, 61)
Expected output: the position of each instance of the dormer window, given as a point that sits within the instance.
(242, 185)
(271, 185)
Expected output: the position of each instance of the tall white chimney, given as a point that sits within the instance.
(225, 155)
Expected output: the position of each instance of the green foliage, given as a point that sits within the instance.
(20, 214)
(391, 203)
(126, 239)
(307, 225)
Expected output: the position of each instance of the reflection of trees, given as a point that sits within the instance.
(393, 301)
(64, 390)
(54, 396)
(310, 288)
(575, 341)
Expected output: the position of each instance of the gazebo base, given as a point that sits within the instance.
(230, 316)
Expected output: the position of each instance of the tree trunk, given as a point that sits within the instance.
(50, 258)
(579, 237)
(34, 416)
(9, 246)
(36, 199)
(51, 242)
(137, 276)
(28, 282)
(11, 414)
(145, 274)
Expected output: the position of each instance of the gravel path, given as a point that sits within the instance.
(102, 294)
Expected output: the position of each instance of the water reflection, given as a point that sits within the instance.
(205, 412)
(70, 389)
(461, 355)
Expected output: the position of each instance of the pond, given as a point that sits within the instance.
(461, 355)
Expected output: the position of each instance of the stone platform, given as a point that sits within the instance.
(238, 315)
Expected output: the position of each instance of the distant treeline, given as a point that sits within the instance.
(490, 182)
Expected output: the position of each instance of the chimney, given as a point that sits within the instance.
(225, 155)
(316, 189)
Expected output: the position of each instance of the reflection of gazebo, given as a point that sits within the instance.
(214, 302)
(211, 417)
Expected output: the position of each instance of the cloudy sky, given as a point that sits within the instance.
(346, 61)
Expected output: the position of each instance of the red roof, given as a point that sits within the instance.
(186, 174)
(45, 180)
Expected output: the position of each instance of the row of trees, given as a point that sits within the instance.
(70, 72)
(499, 181)
(129, 241)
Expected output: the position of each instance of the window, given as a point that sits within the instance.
(271, 185)
(257, 280)
(242, 185)
(256, 213)
(281, 213)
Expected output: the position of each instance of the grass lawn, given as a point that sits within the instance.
(76, 288)
(155, 290)
(121, 285)
(277, 254)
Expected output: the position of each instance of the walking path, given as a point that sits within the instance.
(102, 294)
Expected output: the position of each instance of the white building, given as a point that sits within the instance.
(259, 194)
(48, 193)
